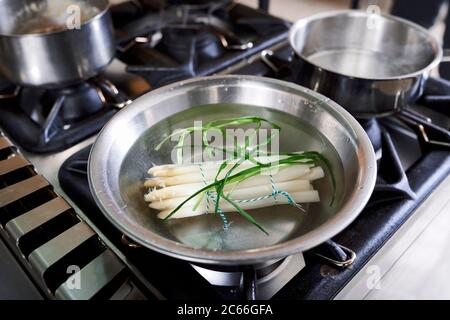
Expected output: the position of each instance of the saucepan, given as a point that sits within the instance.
(371, 64)
(125, 150)
(54, 43)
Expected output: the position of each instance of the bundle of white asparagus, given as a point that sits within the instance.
(172, 184)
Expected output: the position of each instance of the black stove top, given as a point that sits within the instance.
(183, 41)
(159, 42)
(406, 176)
(47, 120)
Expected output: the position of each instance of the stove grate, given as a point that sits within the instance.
(54, 245)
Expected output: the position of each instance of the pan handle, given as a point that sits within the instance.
(129, 243)
(335, 254)
(120, 99)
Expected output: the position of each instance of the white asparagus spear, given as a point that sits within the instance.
(236, 194)
(298, 197)
(313, 174)
(279, 174)
(187, 189)
(170, 170)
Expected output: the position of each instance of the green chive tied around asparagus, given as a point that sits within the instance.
(231, 171)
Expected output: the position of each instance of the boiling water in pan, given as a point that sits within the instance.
(283, 222)
(49, 16)
(362, 63)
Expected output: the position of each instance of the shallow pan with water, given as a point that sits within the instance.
(124, 151)
(371, 64)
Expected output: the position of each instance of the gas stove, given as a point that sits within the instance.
(157, 43)
(52, 225)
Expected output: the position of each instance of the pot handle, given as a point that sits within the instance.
(279, 66)
(120, 99)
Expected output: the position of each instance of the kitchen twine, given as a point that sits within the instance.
(210, 196)
(275, 193)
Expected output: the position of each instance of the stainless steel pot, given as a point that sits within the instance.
(373, 65)
(38, 49)
(124, 151)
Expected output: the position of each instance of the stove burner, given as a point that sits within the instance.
(76, 102)
(430, 135)
(186, 40)
(150, 17)
(194, 4)
(159, 75)
(392, 182)
(49, 120)
(178, 41)
(251, 283)
(437, 95)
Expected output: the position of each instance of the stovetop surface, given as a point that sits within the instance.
(317, 280)
(411, 163)
(408, 172)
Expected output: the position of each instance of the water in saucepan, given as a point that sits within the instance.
(364, 63)
(50, 16)
(282, 222)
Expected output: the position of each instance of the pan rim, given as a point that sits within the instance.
(342, 218)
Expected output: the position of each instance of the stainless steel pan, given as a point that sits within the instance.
(373, 65)
(37, 48)
(124, 151)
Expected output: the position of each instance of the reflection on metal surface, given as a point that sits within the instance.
(13, 163)
(342, 264)
(4, 143)
(34, 218)
(10, 95)
(129, 243)
(93, 277)
(21, 189)
(268, 282)
(48, 254)
(30, 231)
(227, 45)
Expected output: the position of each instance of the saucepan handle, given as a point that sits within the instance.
(278, 65)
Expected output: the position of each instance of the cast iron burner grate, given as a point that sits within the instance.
(182, 41)
(47, 120)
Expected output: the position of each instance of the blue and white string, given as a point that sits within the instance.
(275, 193)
